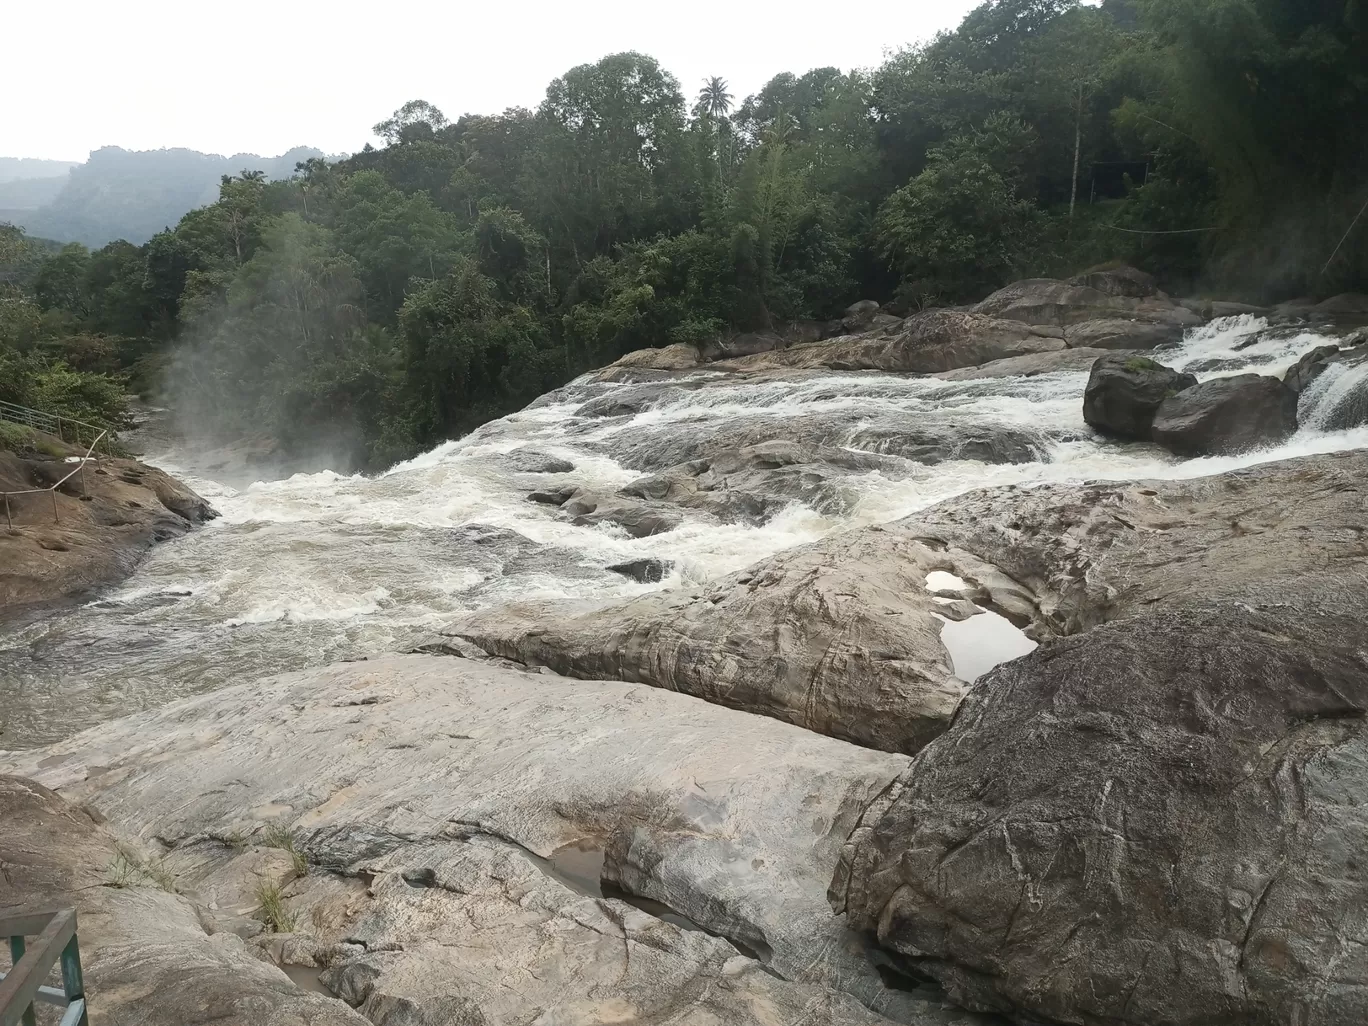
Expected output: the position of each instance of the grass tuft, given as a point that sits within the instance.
(271, 908)
(278, 835)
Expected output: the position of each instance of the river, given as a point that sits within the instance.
(324, 567)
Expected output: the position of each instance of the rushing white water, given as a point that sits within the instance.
(320, 567)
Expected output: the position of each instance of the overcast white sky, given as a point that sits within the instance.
(263, 77)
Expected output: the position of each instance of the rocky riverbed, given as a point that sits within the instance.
(884, 678)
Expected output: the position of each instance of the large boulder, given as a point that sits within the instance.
(929, 342)
(1160, 821)
(677, 357)
(1303, 374)
(147, 956)
(382, 775)
(1130, 282)
(1063, 361)
(1122, 333)
(1227, 415)
(93, 531)
(1124, 392)
(1047, 301)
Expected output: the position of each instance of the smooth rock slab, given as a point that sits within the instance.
(1159, 821)
(843, 637)
(145, 955)
(734, 821)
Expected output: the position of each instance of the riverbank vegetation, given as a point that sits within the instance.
(382, 303)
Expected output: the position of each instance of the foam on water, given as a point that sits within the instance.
(324, 566)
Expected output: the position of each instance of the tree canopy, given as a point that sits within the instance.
(409, 292)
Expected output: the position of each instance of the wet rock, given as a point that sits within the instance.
(1337, 397)
(675, 357)
(1304, 372)
(1047, 301)
(90, 544)
(755, 482)
(1349, 304)
(644, 571)
(841, 637)
(534, 461)
(860, 316)
(1155, 822)
(749, 344)
(637, 519)
(558, 497)
(1124, 392)
(1064, 361)
(145, 956)
(1119, 333)
(629, 400)
(929, 439)
(929, 342)
(396, 767)
(1226, 415)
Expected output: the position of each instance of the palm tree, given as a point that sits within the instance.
(714, 98)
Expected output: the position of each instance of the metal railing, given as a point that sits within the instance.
(54, 425)
(78, 469)
(23, 984)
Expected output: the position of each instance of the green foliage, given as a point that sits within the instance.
(272, 910)
(1136, 364)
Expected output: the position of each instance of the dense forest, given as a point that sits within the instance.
(406, 294)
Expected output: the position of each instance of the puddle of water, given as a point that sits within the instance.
(579, 866)
(981, 642)
(306, 977)
(939, 580)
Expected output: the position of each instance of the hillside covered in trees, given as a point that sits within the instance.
(408, 293)
(127, 195)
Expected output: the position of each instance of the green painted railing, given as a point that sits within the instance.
(55, 934)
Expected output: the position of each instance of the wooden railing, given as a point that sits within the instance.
(23, 984)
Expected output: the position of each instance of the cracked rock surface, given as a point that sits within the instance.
(389, 770)
(1159, 821)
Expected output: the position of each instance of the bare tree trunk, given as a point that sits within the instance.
(1078, 146)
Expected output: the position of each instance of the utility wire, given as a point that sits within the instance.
(1342, 241)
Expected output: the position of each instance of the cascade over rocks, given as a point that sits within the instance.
(1158, 821)
(842, 636)
(425, 791)
(1124, 392)
(1226, 415)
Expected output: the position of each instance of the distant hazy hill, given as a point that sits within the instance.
(15, 168)
(128, 194)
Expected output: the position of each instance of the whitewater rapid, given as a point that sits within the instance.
(322, 567)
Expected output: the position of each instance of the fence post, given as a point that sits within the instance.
(16, 946)
(56, 518)
(85, 494)
(9, 520)
(72, 983)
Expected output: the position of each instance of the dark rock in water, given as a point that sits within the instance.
(1306, 370)
(1227, 415)
(755, 482)
(534, 461)
(645, 571)
(1337, 399)
(641, 520)
(1124, 392)
(627, 401)
(1349, 304)
(558, 497)
(1159, 821)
